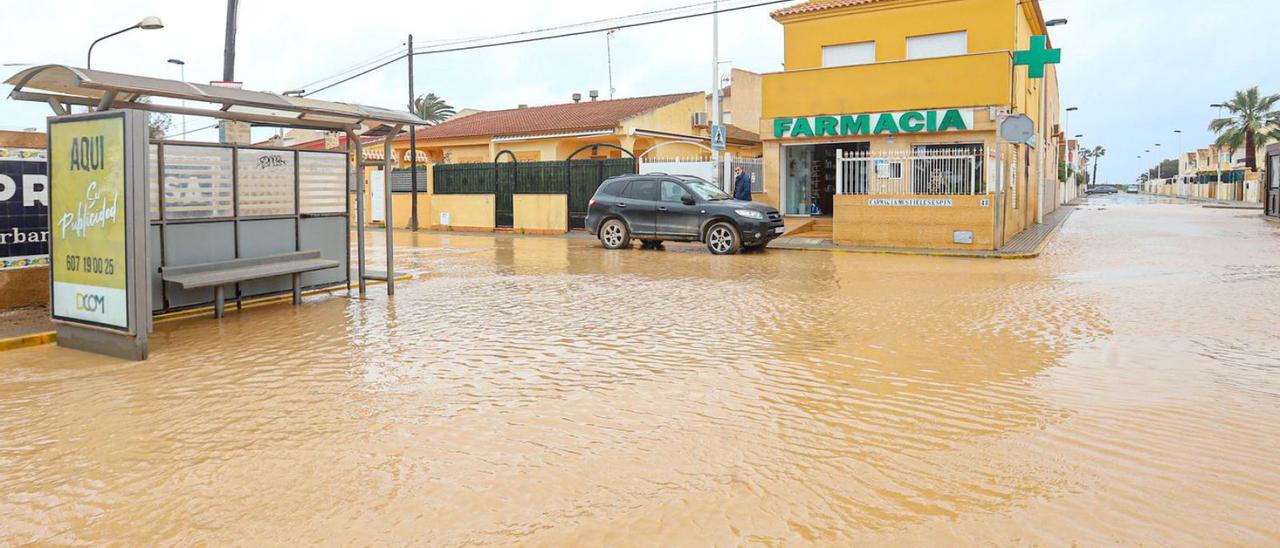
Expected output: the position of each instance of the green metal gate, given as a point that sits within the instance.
(585, 177)
(577, 179)
(506, 174)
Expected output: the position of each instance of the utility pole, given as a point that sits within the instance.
(413, 150)
(1182, 187)
(608, 47)
(229, 51)
(715, 87)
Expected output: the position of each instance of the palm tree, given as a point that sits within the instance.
(1093, 154)
(433, 109)
(1251, 122)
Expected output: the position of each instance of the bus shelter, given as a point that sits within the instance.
(141, 226)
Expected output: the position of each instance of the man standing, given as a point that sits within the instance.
(741, 185)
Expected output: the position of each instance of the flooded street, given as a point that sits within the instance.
(1123, 387)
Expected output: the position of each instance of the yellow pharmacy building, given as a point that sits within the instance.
(881, 129)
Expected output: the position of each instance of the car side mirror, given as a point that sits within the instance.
(687, 200)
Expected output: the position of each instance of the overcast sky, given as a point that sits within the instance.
(1138, 69)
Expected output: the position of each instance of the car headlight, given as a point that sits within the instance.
(749, 213)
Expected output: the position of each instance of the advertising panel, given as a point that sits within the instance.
(24, 208)
(88, 221)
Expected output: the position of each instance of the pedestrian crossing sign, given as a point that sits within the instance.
(717, 137)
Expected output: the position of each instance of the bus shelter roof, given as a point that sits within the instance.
(62, 86)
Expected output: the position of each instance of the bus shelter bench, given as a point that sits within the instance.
(221, 273)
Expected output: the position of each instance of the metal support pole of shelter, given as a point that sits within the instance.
(387, 159)
(355, 146)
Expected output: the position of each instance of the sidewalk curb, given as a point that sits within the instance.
(28, 340)
(50, 337)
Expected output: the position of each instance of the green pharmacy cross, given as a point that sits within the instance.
(1037, 56)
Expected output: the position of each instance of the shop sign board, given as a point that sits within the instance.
(24, 208)
(881, 123)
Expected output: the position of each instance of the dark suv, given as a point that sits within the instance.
(655, 207)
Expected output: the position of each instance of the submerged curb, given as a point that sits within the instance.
(29, 340)
(50, 337)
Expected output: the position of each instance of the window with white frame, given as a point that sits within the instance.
(938, 45)
(841, 55)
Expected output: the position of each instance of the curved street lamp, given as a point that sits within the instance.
(149, 22)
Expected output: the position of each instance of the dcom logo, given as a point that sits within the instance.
(91, 303)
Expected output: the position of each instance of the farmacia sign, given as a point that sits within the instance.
(883, 123)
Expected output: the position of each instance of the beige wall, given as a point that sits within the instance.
(466, 212)
(745, 99)
(859, 224)
(541, 213)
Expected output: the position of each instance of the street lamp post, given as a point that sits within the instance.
(182, 74)
(1071, 168)
(1159, 165)
(1182, 187)
(1217, 160)
(149, 22)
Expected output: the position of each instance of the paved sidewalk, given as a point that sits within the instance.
(1212, 203)
(21, 323)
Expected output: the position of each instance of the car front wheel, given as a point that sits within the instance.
(723, 239)
(614, 234)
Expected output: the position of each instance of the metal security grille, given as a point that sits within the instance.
(463, 178)
(926, 170)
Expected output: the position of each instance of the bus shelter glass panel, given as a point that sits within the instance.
(322, 183)
(153, 182)
(266, 182)
(197, 182)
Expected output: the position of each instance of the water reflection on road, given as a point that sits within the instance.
(1124, 386)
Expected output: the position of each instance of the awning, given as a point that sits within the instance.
(566, 135)
(61, 86)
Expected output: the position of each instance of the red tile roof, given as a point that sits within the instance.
(818, 5)
(565, 117)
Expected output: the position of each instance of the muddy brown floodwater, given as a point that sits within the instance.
(1124, 387)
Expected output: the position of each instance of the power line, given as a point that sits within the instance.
(380, 56)
(388, 54)
(455, 41)
(550, 37)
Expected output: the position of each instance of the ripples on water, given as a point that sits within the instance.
(545, 391)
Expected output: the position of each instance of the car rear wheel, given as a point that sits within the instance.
(723, 239)
(614, 234)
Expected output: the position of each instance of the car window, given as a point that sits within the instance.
(614, 188)
(672, 192)
(706, 191)
(643, 189)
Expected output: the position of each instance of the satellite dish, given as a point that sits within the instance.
(1017, 128)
